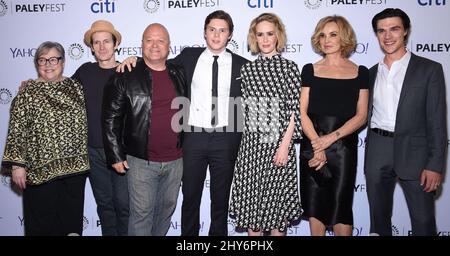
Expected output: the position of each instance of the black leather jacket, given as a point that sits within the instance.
(127, 109)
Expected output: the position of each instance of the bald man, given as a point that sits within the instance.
(138, 135)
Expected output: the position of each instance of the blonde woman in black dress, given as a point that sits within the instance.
(265, 189)
(333, 107)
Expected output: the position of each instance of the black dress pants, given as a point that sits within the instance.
(200, 151)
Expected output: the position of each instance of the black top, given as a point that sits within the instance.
(93, 78)
(331, 96)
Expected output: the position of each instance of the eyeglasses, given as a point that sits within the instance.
(53, 61)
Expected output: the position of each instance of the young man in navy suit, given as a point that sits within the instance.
(407, 133)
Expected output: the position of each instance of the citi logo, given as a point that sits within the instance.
(260, 3)
(3, 8)
(103, 6)
(431, 2)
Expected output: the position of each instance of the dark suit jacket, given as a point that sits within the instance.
(420, 140)
(188, 60)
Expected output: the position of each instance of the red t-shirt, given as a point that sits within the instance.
(162, 141)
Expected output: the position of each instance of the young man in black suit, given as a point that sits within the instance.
(407, 133)
(213, 137)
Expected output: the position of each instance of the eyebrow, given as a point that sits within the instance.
(393, 27)
(216, 27)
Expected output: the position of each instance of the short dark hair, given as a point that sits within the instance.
(222, 15)
(390, 13)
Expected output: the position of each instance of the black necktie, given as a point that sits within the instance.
(214, 105)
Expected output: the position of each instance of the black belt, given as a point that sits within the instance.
(383, 132)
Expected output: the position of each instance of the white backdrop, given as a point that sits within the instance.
(24, 24)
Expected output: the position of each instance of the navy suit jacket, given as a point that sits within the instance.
(420, 140)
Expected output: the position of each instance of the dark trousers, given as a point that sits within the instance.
(200, 150)
(110, 191)
(381, 180)
(55, 208)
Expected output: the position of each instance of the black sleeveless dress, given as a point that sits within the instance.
(327, 194)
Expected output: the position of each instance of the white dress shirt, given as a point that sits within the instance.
(201, 90)
(386, 94)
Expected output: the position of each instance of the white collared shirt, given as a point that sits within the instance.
(201, 90)
(386, 94)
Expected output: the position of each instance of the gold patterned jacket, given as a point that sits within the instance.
(48, 131)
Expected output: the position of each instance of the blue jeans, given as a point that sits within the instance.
(154, 189)
(111, 194)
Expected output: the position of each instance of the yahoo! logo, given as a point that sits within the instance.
(361, 48)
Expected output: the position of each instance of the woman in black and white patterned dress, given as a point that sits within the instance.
(265, 189)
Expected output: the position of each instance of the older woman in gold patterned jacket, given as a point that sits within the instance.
(46, 147)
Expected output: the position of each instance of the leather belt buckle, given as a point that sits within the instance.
(383, 133)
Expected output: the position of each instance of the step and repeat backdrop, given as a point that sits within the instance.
(24, 24)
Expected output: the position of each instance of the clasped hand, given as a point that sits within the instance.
(322, 142)
(318, 161)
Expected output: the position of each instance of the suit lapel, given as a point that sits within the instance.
(407, 81)
(235, 72)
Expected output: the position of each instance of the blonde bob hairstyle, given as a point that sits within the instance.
(346, 33)
(280, 32)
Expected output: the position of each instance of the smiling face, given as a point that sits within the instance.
(155, 44)
(51, 72)
(391, 36)
(266, 38)
(217, 34)
(330, 39)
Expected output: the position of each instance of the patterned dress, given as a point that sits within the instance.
(265, 196)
